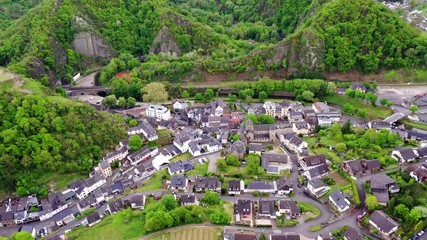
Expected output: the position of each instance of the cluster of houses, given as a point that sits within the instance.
(262, 212)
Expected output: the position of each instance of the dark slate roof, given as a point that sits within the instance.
(89, 200)
(384, 222)
(382, 181)
(284, 183)
(407, 153)
(314, 160)
(64, 213)
(210, 182)
(187, 199)
(352, 234)
(358, 86)
(258, 184)
(245, 236)
(372, 164)
(257, 147)
(137, 200)
(355, 166)
(27, 228)
(417, 135)
(339, 199)
(422, 152)
(266, 207)
(319, 170)
(56, 200)
(285, 236)
(234, 185)
(178, 182)
(7, 216)
(243, 206)
(185, 165)
(75, 184)
(294, 139)
(93, 217)
(316, 183)
(263, 127)
(116, 206)
(238, 146)
(289, 204)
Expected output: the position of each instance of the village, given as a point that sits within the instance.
(280, 164)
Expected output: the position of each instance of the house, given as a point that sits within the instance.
(404, 155)
(293, 142)
(116, 206)
(383, 182)
(339, 201)
(86, 203)
(419, 173)
(301, 127)
(383, 223)
(317, 172)
(142, 154)
(235, 187)
(148, 131)
(326, 116)
(310, 162)
(354, 167)
(7, 219)
(295, 116)
(379, 125)
(243, 212)
(261, 186)
(188, 200)
(98, 195)
(64, 217)
(317, 188)
(29, 228)
(89, 185)
(92, 219)
(257, 148)
(417, 136)
(273, 110)
(238, 149)
(274, 163)
(137, 201)
(259, 133)
(178, 183)
(158, 111)
(289, 208)
(241, 236)
(118, 154)
(284, 186)
(357, 86)
(421, 153)
(371, 166)
(117, 188)
(204, 146)
(266, 209)
(179, 105)
(180, 167)
(326, 236)
(352, 234)
(207, 184)
(54, 204)
(104, 168)
(284, 236)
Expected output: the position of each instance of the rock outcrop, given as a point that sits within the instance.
(88, 44)
(164, 42)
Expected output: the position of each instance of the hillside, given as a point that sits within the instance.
(47, 139)
(179, 39)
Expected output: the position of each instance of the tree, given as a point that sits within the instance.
(346, 128)
(169, 202)
(211, 198)
(121, 102)
(221, 164)
(209, 94)
(252, 117)
(362, 113)
(266, 119)
(368, 96)
(359, 94)
(383, 101)
(374, 99)
(155, 92)
(262, 237)
(401, 210)
(348, 108)
(413, 217)
(414, 109)
(131, 102)
(371, 202)
(253, 164)
(231, 160)
(198, 97)
(341, 147)
(110, 101)
(308, 96)
(262, 96)
(135, 142)
(133, 123)
(220, 217)
(349, 93)
(185, 94)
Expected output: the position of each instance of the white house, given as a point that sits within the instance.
(142, 154)
(404, 155)
(54, 204)
(339, 201)
(182, 143)
(293, 142)
(317, 188)
(89, 185)
(235, 187)
(383, 223)
(158, 111)
(179, 105)
(204, 146)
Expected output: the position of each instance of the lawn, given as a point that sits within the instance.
(195, 233)
(309, 208)
(371, 111)
(155, 182)
(111, 228)
(330, 155)
(59, 181)
(199, 170)
(418, 125)
(181, 157)
(223, 206)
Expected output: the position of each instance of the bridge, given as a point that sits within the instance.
(394, 118)
(96, 91)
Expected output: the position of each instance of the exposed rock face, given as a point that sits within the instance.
(89, 44)
(164, 42)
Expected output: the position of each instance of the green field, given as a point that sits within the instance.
(111, 228)
(155, 182)
(193, 233)
(418, 125)
(371, 111)
(181, 157)
(308, 208)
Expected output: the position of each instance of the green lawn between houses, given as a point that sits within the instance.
(195, 233)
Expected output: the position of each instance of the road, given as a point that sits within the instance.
(87, 81)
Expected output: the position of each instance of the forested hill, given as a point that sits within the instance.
(287, 38)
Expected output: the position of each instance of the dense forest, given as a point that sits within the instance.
(176, 39)
(11, 10)
(39, 137)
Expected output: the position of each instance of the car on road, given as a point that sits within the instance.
(420, 233)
